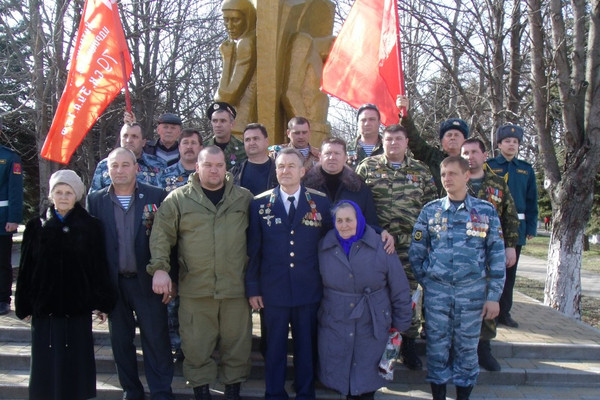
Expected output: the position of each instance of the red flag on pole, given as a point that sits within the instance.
(364, 65)
(100, 67)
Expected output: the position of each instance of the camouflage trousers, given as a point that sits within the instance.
(453, 325)
(413, 331)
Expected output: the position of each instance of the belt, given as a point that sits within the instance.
(128, 275)
(521, 216)
(3, 203)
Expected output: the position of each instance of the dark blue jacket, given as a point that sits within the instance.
(11, 188)
(284, 266)
(520, 177)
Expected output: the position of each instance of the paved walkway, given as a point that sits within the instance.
(534, 268)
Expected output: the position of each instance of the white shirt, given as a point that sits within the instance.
(284, 198)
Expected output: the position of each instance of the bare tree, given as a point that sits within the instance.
(575, 66)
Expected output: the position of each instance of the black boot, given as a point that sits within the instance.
(486, 359)
(438, 391)
(232, 392)
(463, 392)
(202, 392)
(409, 354)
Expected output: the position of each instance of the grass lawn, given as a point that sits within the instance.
(538, 247)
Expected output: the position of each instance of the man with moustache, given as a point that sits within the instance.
(189, 147)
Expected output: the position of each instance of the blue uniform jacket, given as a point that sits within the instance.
(520, 177)
(459, 246)
(284, 266)
(11, 188)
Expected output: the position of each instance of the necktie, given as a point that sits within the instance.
(292, 210)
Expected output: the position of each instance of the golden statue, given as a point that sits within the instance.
(237, 85)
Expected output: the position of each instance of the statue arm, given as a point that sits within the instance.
(233, 85)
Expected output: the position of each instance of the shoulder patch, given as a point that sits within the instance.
(418, 235)
(316, 192)
(264, 194)
(17, 168)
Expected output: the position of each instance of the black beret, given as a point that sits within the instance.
(169, 118)
(220, 106)
(368, 106)
(509, 130)
(454, 123)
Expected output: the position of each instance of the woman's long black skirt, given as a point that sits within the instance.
(62, 358)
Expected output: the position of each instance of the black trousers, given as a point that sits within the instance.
(5, 268)
(506, 300)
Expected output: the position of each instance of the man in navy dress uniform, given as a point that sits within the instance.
(286, 224)
(11, 213)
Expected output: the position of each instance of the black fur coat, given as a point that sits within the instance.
(63, 269)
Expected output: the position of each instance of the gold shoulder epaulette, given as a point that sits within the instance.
(264, 194)
(316, 192)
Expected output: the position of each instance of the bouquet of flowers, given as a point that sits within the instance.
(386, 364)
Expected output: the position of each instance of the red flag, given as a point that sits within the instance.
(100, 67)
(364, 65)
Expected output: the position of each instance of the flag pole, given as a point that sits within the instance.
(122, 47)
(399, 55)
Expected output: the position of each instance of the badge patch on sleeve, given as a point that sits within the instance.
(418, 235)
(17, 168)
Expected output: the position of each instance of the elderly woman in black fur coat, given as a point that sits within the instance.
(63, 278)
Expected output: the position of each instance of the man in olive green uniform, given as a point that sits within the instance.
(401, 186)
(222, 118)
(207, 218)
(486, 185)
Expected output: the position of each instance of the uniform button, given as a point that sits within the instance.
(351, 333)
(292, 242)
(351, 305)
(292, 254)
(291, 265)
(292, 232)
(350, 276)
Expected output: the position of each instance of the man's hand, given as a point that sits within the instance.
(388, 241)
(11, 227)
(129, 118)
(101, 316)
(491, 309)
(161, 284)
(511, 256)
(402, 103)
(256, 302)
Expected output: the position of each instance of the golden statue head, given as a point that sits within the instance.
(239, 17)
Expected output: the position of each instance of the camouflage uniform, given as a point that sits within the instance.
(495, 190)
(399, 195)
(356, 153)
(149, 167)
(457, 255)
(314, 155)
(173, 177)
(234, 151)
(423, 151)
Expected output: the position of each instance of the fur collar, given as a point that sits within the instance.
(315, 178)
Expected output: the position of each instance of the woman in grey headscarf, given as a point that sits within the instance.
(63, 278)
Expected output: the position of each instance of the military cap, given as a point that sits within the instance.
(454, 123)
(220, 106)
(169, 118)
(509, 130)
(368, 106)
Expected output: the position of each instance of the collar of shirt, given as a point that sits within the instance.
(284, 198)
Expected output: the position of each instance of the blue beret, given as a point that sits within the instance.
(454, 123)
(169, 118)
(509, 130)
(220, 106)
